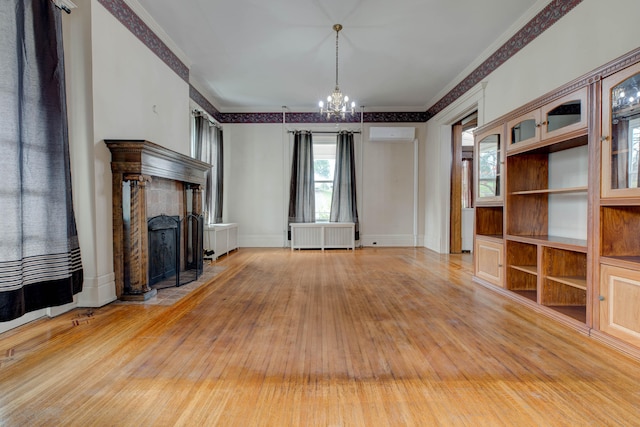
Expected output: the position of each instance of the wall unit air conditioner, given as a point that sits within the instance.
(392, 134)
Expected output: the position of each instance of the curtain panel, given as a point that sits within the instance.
(207, 146)
(203, 150)
(344, 200)
(219, 175)
(302, 199)
(40, 263)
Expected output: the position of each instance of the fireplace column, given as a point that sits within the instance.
(196, 200)
(138, 260)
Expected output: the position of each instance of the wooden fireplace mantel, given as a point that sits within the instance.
(137, 162)
(146, 158)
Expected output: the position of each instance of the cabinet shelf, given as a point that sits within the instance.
(578, 282)
(530, 269)
(582, 189)
(577, 245)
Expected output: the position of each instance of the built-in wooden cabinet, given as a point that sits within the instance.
(489, 260)
(565, 224)
(557, 119)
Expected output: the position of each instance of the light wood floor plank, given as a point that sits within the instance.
(372, 337)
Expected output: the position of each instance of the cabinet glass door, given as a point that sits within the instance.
(524, 129)
(565, 115)
(489, 166)
(621, 134)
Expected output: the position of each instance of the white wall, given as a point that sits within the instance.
(592, 34)
(132, 95)
(390, 181)
(254, 189)
(257, 173)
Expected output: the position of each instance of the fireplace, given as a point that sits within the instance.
(157, 217)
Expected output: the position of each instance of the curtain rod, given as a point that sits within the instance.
(324, 131)
(196, 112)
(65, 5)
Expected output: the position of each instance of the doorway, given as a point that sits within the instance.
(462, 212)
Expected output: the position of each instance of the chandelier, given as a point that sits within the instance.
(337, 103)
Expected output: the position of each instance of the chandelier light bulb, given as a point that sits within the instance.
(321, 104)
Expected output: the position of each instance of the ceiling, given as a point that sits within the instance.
(400, 55)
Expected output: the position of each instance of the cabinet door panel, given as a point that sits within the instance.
(564, 115)
(620, 303)
(489, 166)
(621, 134)
(489, 261)
(524, 130)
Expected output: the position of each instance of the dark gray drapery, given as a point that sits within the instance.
(40, 264)
(207, 146)
(203, 150)
(302, 199)
(343, 200)
(219, 177)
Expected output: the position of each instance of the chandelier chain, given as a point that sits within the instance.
(337, 32)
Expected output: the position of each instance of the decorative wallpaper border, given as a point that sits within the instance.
(318, 118)
(543, 20)
(199, 99)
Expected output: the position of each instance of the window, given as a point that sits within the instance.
(324, 163)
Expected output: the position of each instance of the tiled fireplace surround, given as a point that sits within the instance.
(148, 180)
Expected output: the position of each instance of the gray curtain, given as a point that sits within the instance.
(202, 150)
(40, 264)
(207, 146)
(219, 176)
(344, 201)
(302, 199)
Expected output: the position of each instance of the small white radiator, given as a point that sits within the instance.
(330, 235)
(221, 238)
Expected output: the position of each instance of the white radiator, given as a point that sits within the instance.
(221, 238)
(330, 235)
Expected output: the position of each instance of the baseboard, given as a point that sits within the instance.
(397, 240)
(261, 241)
(98, 291)
(28, 317)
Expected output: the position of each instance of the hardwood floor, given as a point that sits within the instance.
(375, 337)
